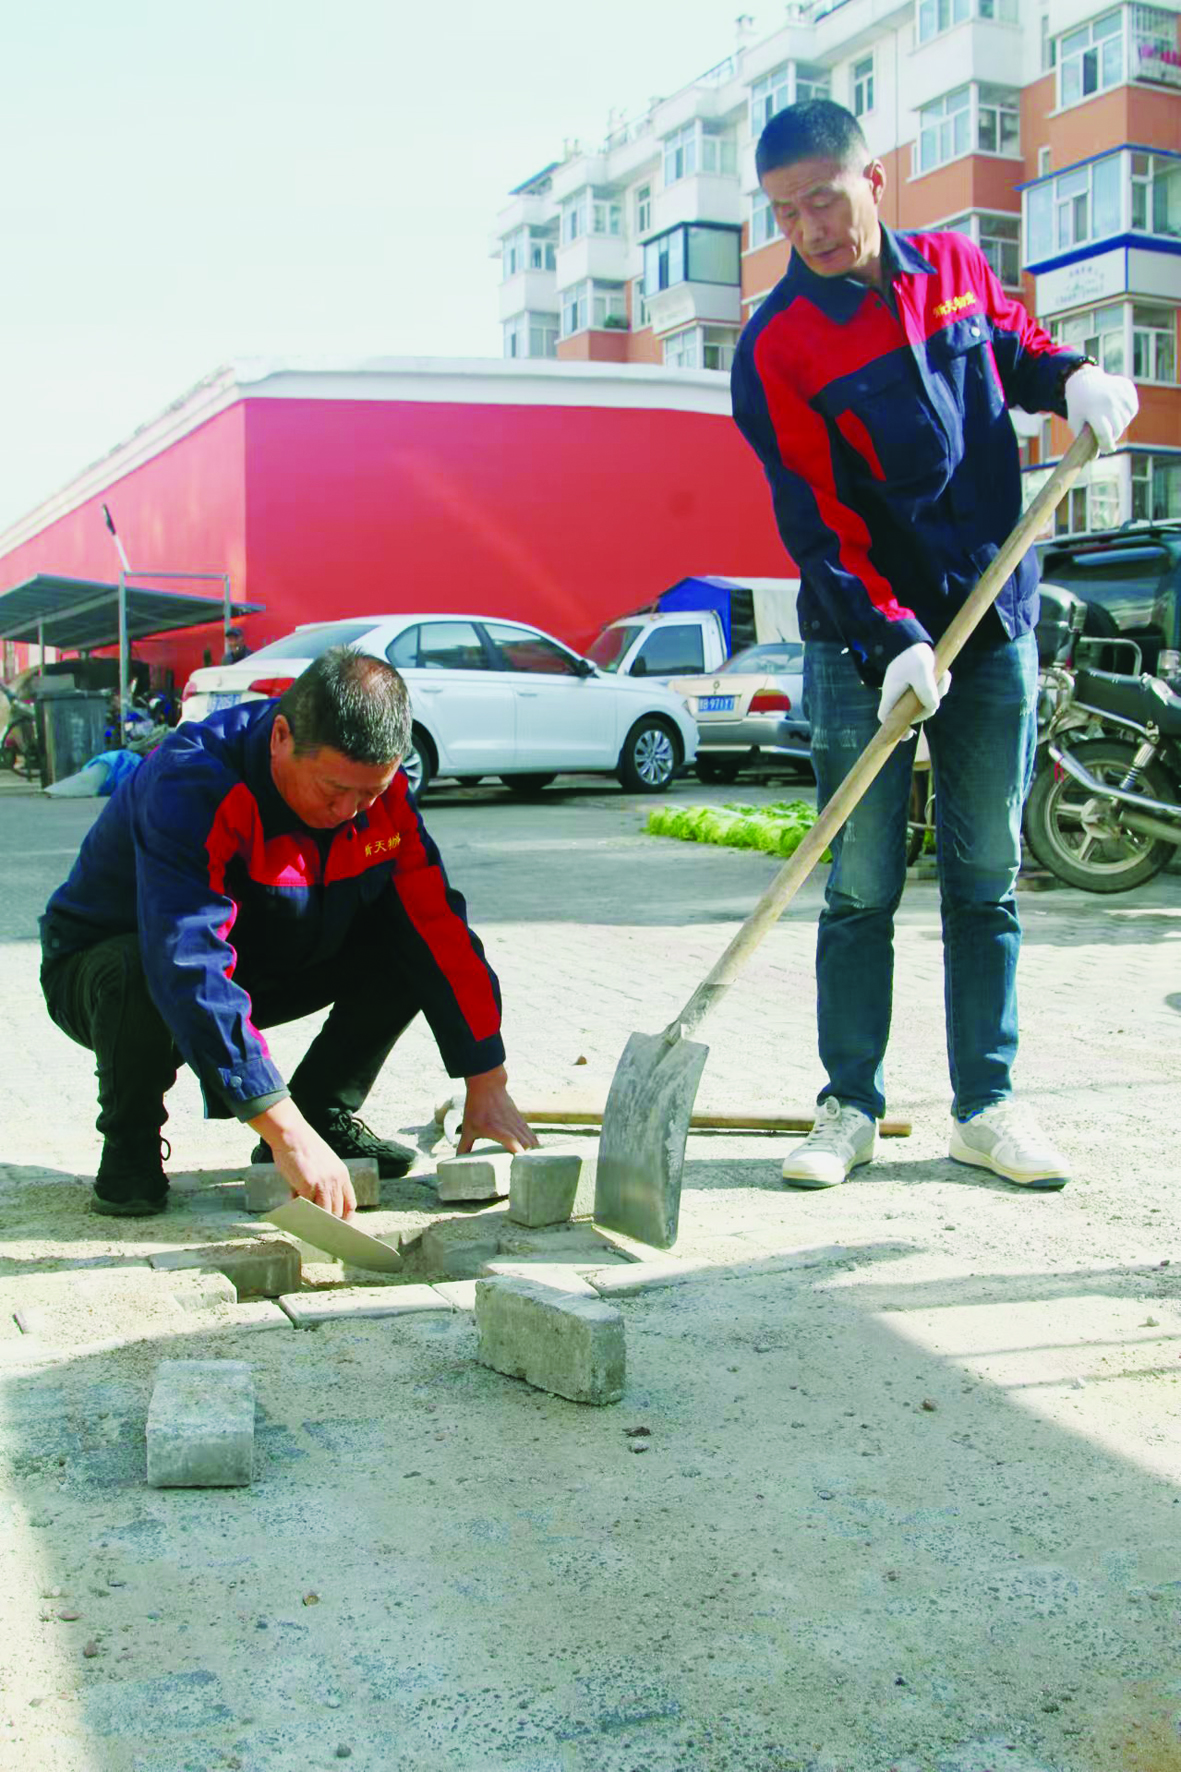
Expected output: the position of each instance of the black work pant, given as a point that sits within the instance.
(99, 997)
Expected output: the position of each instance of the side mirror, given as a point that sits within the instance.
(584, 668)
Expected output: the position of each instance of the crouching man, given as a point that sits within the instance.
(260, 865)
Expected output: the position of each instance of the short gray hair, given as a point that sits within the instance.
(352, 702)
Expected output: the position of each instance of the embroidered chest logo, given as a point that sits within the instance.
(382, 846)
(956, 305)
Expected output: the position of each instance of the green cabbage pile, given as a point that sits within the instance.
(777, 829)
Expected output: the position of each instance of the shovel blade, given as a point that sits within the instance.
(642, 1145)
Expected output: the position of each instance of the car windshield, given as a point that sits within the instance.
(611, 646)
(775, 656)
(311, 642)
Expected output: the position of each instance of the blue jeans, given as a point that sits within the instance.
(982, 742)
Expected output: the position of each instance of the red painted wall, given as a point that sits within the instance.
(562, 516)
(183, 511)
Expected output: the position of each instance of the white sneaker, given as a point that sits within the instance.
(842, 1139)
(1008, 1140)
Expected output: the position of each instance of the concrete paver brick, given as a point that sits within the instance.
(457, 1248)
(558, 1342)
(200, 1430)
(308, 1309)
(484, 1176)
(266, 1189)
(460, 1293)
(556, 1275)
(266, 1265)
(543, 1186)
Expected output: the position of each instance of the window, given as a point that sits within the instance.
(682, 349)
(521, 649)
(936, 16)
(1090, 507)
(762, 221)
(789, 84)
(1154, 44)
(719, 153)
(701, 347)
(1074, 208)
(680, 154)
(542, 253)
(543, 335)
(1043, 162)
(515, 336)
(717, 347)
(1156, 487)
(439, 646)
(1091, 59)
(945, 129)
(1049, 45)
(608, 307)
(674, 651)
(585, 213)
(863, 86)
(767, 96)
(575, 308)
(999, 239)
(514, 253)
(1154, 343)
(643, 209)
(695, 253)
(311, 642)
(1099, 334)
(812, 82)
(997, 120)
(696, 148)
(1156, 194)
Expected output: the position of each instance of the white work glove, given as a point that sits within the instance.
(1108, 403)
(913, 669)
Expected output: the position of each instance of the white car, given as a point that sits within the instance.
(488, 698)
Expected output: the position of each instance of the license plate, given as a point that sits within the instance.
(225, 698)
(716, 704)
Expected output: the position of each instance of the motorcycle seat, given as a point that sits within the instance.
(1143, 700)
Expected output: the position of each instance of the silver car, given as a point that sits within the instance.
(750, 713)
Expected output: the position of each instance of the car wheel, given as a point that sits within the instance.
(713, 771)
(650, 757)
(419, 763)
(526, 784)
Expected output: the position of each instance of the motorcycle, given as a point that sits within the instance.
(18, 733)
(1104, 812)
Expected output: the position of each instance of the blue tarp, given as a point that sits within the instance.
(701, 593)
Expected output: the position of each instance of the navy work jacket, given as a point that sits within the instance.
(884, 433)
(198, 853)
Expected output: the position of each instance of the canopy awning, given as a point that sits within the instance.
(79, 615)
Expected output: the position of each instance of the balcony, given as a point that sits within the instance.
(533, 292)
(713, 304)
(601, 257)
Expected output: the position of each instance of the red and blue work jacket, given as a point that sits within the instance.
(883, 429)
(198, 853)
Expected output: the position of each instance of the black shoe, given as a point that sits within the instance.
(131, 1182)
(343, 1133)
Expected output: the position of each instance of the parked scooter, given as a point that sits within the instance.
(18, 730)
(1104, 813)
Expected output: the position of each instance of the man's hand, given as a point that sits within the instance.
(310, 1167)
(913, 669)
(1108, 403)
(489, 1112)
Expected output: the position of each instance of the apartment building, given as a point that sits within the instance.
(1047, 130)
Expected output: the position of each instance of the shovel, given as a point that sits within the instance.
(650, 1103)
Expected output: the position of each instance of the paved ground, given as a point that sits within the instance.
(911, 1503)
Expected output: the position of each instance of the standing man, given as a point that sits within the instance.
(258, 866)
(873, 384)
(236, 647)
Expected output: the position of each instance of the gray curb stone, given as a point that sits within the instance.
(570, 1346)
(200, 1432)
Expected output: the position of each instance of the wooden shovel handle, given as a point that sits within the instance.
(796, 869)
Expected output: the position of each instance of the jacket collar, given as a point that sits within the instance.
(840, 297)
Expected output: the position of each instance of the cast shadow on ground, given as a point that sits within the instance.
(885, 1555)
(765, 1173)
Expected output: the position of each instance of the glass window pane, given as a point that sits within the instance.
(1112, 67)
(403, 652)
(713, 256)
(1010, 132)
(988, 135)
(1040, 213)
(450, 646)
(1107, 26)
(676, 258)
(1105, 190)
(524, 650)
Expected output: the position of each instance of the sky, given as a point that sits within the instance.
(186, 186)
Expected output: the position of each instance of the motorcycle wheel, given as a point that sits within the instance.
(1114, 862)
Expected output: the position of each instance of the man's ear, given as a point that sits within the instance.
(875, 172)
